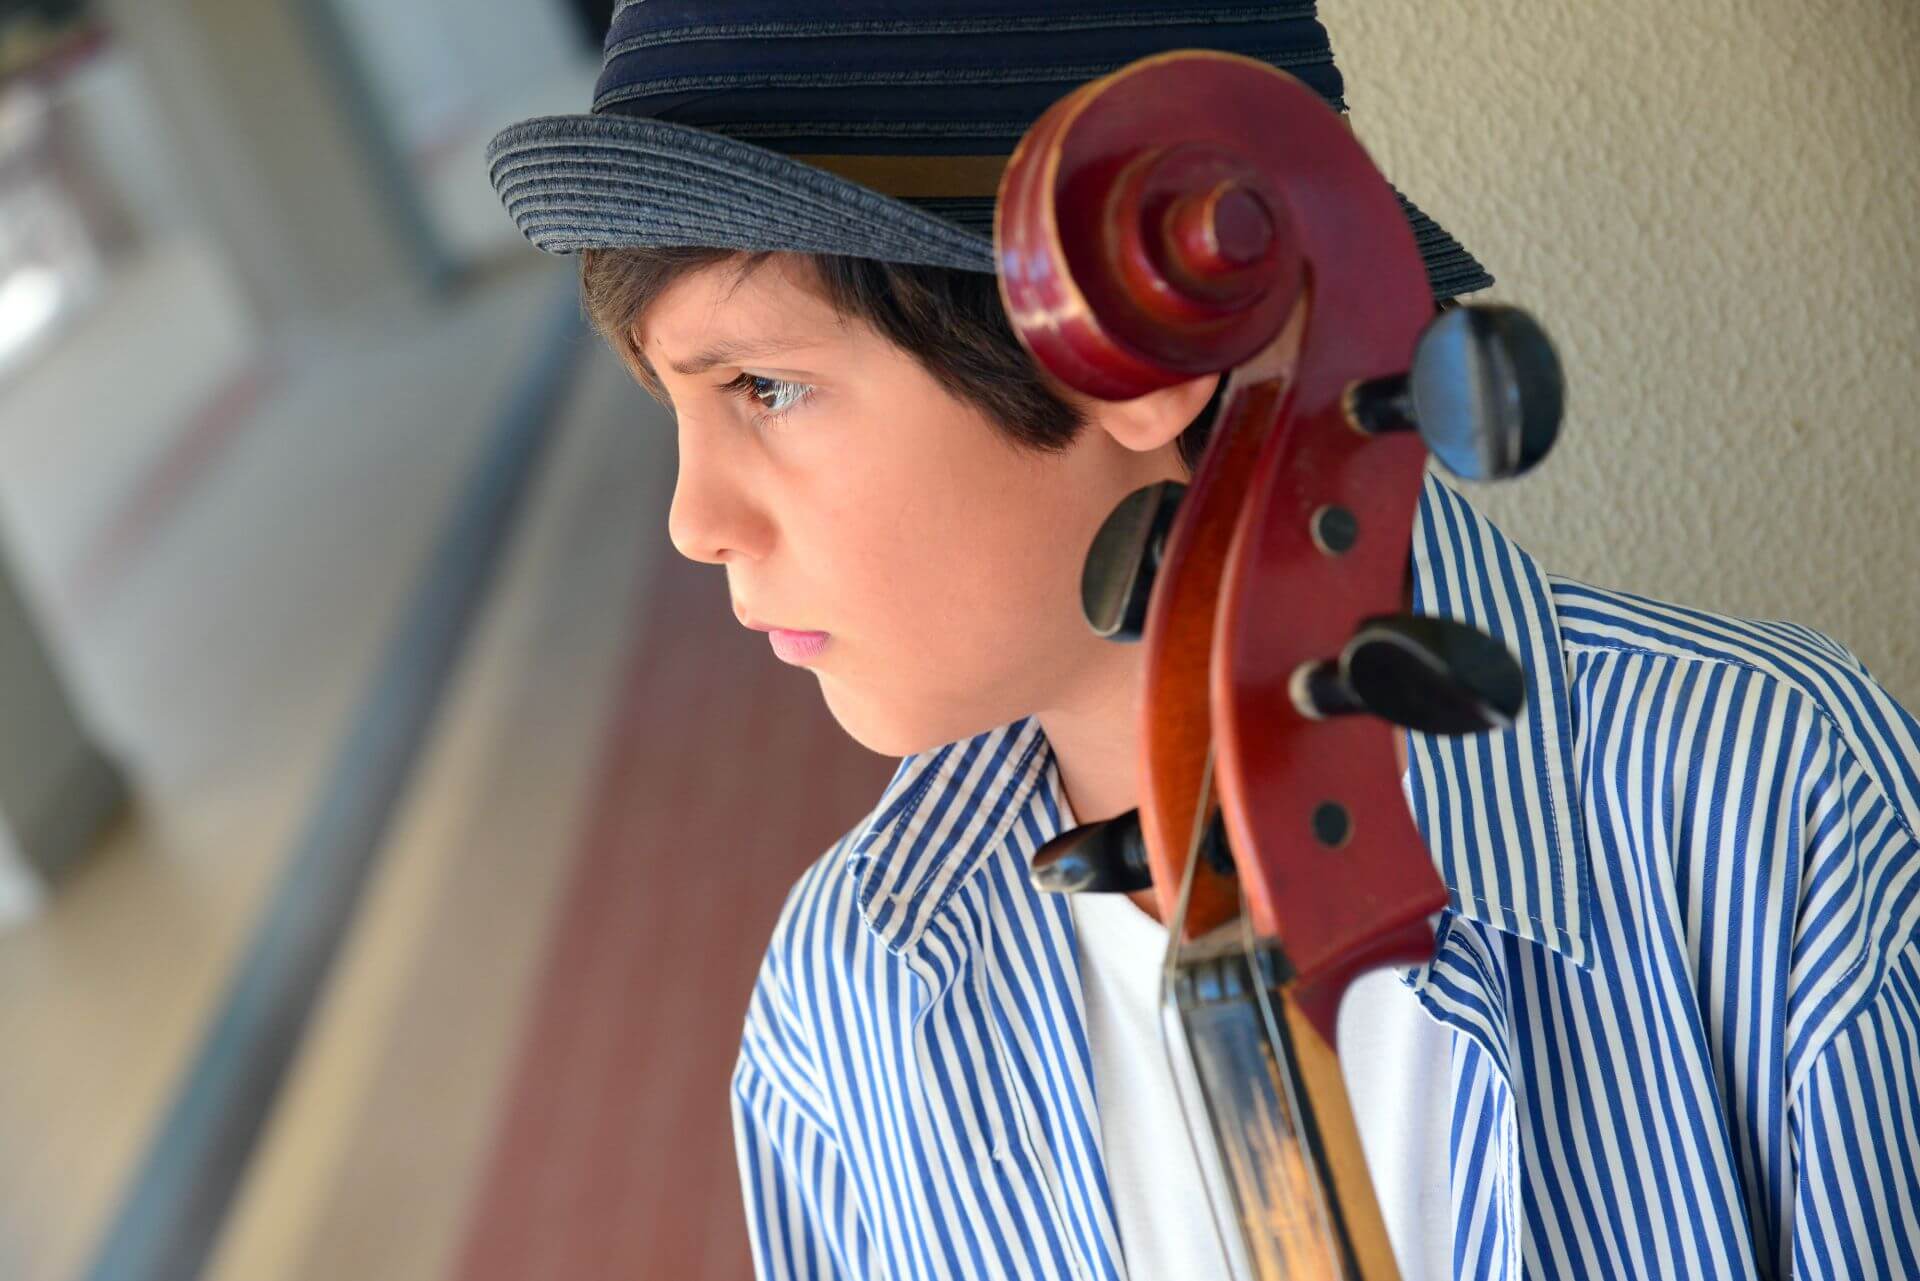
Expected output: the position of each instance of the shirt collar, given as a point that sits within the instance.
(1497, 810)
(1500, 811)
(943, 812)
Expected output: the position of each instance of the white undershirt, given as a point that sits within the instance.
(1396, 1061)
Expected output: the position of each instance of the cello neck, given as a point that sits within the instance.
(1277, 1112)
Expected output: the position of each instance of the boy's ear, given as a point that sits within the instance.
(1147, 422)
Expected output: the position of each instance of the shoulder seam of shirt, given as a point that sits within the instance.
(1813, 1058)
(1782, 683)
(1820, 647)
(747, 1064)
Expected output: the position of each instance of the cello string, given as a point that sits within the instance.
(1180, 1066)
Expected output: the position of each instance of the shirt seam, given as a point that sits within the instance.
(1779, 683)
(1872, 1003)
(748, 1064)
(1565, 940)
(1841, 747)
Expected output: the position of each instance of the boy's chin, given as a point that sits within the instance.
(889, 732)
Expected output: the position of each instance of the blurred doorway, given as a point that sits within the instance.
(439, 78)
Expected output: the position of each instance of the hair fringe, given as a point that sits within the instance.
(951, 321)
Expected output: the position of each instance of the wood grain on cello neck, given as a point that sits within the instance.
(1280, 1120)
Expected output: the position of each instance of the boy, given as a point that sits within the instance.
(1671, 1026)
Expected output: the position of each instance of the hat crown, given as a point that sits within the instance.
(872, 128)
(856, 75)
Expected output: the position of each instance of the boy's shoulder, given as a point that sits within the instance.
(1606, 618)
(1471, 569)
(809, 957)
(1761, 664)
(1782, 657)
(820, 916)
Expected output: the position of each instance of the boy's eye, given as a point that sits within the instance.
(774, 396)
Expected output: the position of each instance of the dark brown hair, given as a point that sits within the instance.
(950, 321)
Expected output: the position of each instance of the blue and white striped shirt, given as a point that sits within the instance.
(1681, 965)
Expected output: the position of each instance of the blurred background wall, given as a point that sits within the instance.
(1710, 206)
(279, 381)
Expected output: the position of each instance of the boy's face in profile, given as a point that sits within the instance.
(848, 493)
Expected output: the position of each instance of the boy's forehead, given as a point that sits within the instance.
(720, 309)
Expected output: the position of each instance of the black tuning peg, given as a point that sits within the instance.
(1428, 674)
(1485, 393)
(1099, 858)
(1111, 857)
(1116, 581)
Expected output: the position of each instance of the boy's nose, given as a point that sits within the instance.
(711, 521)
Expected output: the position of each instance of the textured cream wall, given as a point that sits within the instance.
(1714, 207)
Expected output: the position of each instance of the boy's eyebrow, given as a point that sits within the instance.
(730, 350)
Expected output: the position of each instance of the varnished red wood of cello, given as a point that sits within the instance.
(1195, 212)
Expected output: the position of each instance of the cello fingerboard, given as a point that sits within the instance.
(1278, 1115)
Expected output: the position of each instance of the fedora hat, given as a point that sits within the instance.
(869, 128)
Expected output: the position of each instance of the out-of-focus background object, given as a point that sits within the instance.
(328, 530)
(419, 819)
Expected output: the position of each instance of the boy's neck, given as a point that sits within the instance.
(1095, 742)
(1094, 732)
(1096, 750)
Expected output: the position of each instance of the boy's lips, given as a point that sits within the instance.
(790, 644)
(796, 647)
